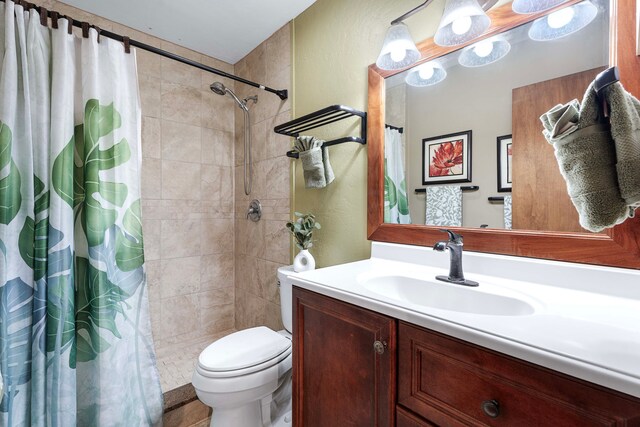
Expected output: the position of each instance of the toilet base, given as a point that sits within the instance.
(241, 416)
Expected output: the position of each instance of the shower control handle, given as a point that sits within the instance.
(254, 213)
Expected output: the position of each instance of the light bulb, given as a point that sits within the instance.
(483, 48)
(461, 25)
(397, 53)
(426, 72)
(560, 18)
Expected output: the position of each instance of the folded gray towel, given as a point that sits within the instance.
(316, 168)
(624, 115)
(312, 168)
(328, 170)
(586, 157)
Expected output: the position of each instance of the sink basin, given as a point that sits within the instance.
(446, 296)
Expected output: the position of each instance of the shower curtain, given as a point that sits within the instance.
(75, 339)
(396, 202)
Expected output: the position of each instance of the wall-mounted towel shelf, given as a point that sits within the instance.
(496, 199)
(324, 117)
(463, 188)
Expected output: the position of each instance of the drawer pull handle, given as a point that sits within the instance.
(491, 408)
(379, 346)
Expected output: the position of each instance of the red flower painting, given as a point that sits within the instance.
(446, 159)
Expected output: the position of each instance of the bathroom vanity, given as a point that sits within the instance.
(371, 348)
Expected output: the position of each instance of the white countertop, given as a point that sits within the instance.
(585, 323)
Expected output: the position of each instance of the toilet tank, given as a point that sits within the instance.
(286, 297)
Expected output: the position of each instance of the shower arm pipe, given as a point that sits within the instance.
(282, 93)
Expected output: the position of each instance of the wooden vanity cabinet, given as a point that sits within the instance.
(339, 379)
(344, 361)
(451, 382)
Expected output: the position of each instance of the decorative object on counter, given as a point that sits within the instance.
(396, 202)
(505, 162)
(316, 168)
(323, 117)
(586, 156)
(446, 159)
(444, 206)
(507, 212)
(302, 230)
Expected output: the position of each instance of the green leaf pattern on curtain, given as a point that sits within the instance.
(10, 197)
(396, 202)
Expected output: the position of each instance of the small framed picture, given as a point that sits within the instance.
(505, 163)
(446, 159)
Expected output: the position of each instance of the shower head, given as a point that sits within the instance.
(218, 88)
(221, 89)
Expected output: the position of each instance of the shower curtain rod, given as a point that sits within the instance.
(282, 94)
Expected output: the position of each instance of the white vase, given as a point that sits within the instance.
(304, 261)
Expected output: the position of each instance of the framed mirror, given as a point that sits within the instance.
(485, 120)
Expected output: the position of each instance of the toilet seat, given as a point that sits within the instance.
(244, 352)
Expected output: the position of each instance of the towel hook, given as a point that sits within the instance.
(602, 81)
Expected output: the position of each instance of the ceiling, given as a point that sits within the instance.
(224, 29)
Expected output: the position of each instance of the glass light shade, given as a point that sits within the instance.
(426, 75)
(533, 6)
(462, 21)
(398, 50)
(484, 53)
(551, 27)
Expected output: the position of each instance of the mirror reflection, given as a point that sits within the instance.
(463, 141)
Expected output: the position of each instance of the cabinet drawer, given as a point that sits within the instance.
(444, 379)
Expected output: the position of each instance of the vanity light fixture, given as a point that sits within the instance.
(462, 21)
(484, 52)
(563, 22)
(426, 75)
(533, 6)
(398, 49)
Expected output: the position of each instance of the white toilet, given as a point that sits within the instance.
(246, 376)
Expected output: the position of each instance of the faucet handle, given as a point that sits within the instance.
(453, 237)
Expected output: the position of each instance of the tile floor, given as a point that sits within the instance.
(176, 364)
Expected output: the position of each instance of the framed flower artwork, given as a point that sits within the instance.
(505, 163)
(446, 159)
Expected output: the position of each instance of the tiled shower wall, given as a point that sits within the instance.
(187, 192)
(194, 222)
(261, 247)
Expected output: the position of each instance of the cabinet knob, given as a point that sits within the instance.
(491, 408)
(379, 346)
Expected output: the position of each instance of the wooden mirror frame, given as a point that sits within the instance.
(620, 246)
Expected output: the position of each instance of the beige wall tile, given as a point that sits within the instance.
(180, 180)
(217, 236)
(177, 72)
(276, 242)
(149, 63)
(218, 112)
(150, 95)
(181, 142)
(180, 314)
(217, 297)
(217, 147)
(180, 103)
(151, 138)
(218, 318)
(278, 145)
(216, 271)
(180, 238)
(151, 178)
(151, 229)
(278, 177)
(180, 276)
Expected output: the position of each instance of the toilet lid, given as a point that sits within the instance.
(243, 349)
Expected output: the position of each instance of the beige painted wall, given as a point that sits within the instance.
(334, 43)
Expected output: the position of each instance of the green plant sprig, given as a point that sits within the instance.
(302, 229)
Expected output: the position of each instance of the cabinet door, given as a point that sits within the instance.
(339, 378)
